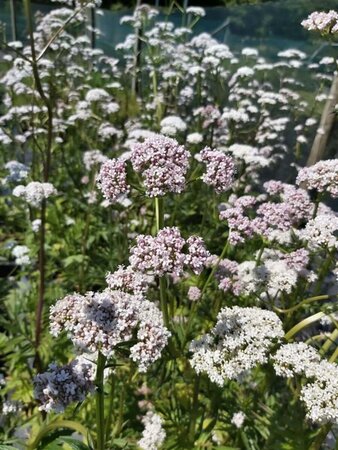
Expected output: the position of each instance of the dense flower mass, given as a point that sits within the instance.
(112, 179)
(323, 177)
(164, 253)
(324, 22)
(34, 192)
(240, 340)
(62, 385)
(153, 434)
(220, 169)
(163, 164)
(103, 320)
(295, 358)
(127, 280)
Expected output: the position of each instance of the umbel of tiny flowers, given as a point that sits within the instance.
(163, 164)
(112, 179)
(240, 340)
(324, 22)
(99, 322)
(323, 177)
(320, 391)
(34, 192)
(62, 385)
(220, 169)
(166, 254)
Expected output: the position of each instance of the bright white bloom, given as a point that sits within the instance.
(320, 231)
(172, 125)
(36, 225)
(194, 138)
(34, 192)
(240, 340)
(21, 255)
(238, 419)
(196, 11)
(153, 434)
(321, 395)
(295, 358)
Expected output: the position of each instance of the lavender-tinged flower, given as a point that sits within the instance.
(163, 164)
(152, 336)
(60, 386)
(240, 340)
(153, 434)
(164, 253)
(160, 254)
(17, 171)
(323, 177)
(101, 321)
(220, 169)
(194, 293)
(197, 254)
(112, 179)
(127, 280)
(324, 22)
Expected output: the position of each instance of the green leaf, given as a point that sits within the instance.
(74, 444)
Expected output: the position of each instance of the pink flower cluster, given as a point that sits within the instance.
(101, 321)
(220, 169)
(112, 179)
(286, 206)
(127, 280)
(164, 253)
(323, 177)
(324, 22)
(163, 164)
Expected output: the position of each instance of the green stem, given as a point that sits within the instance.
(194, 410)
(100, 429)
(159, 213)
(214, 268)
(109, 419)
(320, 438)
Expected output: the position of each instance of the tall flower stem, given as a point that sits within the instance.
(321, 436)
(46, 162)
(159, 213)
(215, 267)
(100, 425)
(194, 410)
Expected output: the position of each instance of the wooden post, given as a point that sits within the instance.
(325, 126)
(92, 24)
(13, 20)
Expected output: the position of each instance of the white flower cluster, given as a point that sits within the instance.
(92, 158)
(238, 419)
(153, 434)
(320, 231)
(295, 358)
(101, 321)
(172, 125)
(21, 255)
(34, 192)
(240, 340)
(320, 391)
(60, 386)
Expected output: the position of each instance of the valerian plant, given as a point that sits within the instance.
(162, 288)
